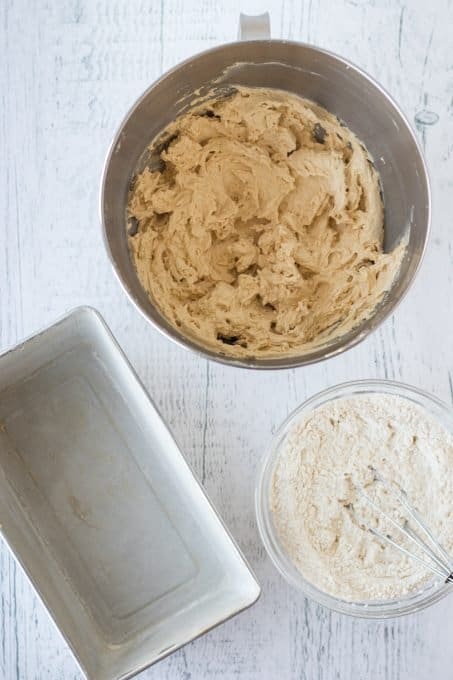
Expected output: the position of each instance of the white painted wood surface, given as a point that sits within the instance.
(68, 72)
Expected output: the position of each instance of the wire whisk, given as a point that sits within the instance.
(436, 559)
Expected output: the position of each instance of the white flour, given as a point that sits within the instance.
(320, 459)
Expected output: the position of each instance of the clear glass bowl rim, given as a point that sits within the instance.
(407, 604)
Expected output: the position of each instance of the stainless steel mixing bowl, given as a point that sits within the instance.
(325, 78)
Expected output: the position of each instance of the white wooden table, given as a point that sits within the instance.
(69, 69)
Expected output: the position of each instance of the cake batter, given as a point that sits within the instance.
(261, 234)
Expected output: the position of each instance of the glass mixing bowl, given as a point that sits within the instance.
(431, 591)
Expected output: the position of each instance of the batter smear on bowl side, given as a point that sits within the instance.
(261, 233)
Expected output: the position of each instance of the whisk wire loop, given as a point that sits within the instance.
(439, 561)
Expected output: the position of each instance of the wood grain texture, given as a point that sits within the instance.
(68, 73)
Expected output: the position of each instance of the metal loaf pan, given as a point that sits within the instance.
(100, 508)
